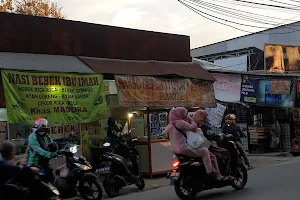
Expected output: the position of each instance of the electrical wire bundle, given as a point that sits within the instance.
(246, 14)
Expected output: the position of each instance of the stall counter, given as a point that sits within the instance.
(161, 156)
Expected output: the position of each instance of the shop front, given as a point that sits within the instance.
(68, 101)
(146, 92)
(269, 98)
(227, 88)
(149, 100)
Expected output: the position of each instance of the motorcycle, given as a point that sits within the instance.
(42, 190)
(189, 176)
(120, 165)
(76, 175)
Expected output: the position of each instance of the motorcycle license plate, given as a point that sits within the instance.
(103, 170)
(174, 175)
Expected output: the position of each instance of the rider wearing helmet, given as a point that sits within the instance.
(236, 132)
(41, 147)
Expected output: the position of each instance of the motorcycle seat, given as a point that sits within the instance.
(188, 158)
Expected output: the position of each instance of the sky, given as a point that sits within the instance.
(167, 16)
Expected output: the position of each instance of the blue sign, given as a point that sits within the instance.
(249, 90)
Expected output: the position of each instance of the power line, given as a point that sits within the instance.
(268, 5)
(262, 17)
(225, 19)
(202, 14)
(231, 12)
(252, 6)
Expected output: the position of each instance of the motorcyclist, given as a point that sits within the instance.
(230, 127)
(41, 147)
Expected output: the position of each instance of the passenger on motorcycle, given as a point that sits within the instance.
(41, 147)
(223, 155)
(179, 122)
(230, 127)
(9, 171)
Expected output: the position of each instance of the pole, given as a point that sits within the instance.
(149, 143)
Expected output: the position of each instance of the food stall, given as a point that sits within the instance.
(68, 101)
(149, 100)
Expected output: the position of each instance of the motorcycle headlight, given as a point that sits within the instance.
(56, 192)
(73, 149)
(84, 167)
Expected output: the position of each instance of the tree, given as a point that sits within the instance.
(42, 8)
(6, 5)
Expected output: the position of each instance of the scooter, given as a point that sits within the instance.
(77, 175)
(189, 176)
(42, 190)
(120, 166)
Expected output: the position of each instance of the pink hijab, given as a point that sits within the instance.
(176, 114)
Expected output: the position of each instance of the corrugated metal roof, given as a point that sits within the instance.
(148, 68)
(214, 68)
(43, 62)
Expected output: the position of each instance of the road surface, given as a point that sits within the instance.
(272, 183)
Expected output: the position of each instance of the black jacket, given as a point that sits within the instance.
(235, 130)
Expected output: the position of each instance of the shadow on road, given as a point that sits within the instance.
(215, 194)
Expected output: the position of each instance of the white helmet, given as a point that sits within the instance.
(40, 126)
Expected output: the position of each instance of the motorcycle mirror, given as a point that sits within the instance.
(106, 144)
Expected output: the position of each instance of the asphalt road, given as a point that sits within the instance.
(272, 183)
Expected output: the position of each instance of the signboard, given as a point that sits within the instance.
(280, 87)
(259, 92)
(215, 115)
(59, 97)
(282, 58)
(227, 87)
(249, 90)
(84, 137)
(144, 91)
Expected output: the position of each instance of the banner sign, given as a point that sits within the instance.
(249, 90)
(144, 91)
(298, 90)
(280, 87)
(215, 115)
(259, 92)
(282, 58)
(227, 87)
(61, 98)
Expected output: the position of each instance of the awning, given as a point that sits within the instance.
(147, 68)
(43, 62)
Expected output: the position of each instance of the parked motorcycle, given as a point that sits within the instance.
(189, 176)
(76, 175)
(42, 190)
(120, 165)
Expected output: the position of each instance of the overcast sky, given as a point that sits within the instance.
(157, 15)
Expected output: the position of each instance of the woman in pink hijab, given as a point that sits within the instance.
(179, 117)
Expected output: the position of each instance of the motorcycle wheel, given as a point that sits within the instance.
(241, 178)
(181, 191)
(87, 192)
(141, 183)
(110, 186)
